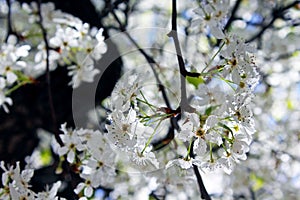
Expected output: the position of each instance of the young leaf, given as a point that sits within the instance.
(195, 80)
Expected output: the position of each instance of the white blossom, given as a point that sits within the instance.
(83, 70)
(49, 194)
(184, 163)
(72, 142)
(122, 130)
(144, 159)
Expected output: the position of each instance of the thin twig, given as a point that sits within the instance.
(174, 125)
(9, 25)
(204, 194)
(232, 16)
(48, 78)
(277, 13)
(149, 59)
(252, 193)
(202, 189)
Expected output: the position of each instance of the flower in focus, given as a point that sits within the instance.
(83, 70)
(72, 142)
(122, 129)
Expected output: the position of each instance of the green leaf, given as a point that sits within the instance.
(195, 80)
(151, 197)
(290, 104)
(46, 156)
(209, 110)
(295, 53)
(258, 182)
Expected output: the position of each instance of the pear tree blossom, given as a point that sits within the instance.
(16, 184)
(213, 96)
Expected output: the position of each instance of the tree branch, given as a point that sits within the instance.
(232, 16)
(149, 59)
(9, 25)
(184, 102)
(48, 78)
(202, 189)
(174, 125)
(173, 34)
(277, 13)
(204, 194)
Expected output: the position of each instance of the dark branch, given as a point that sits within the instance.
(252, 193)
(149, 59)
(277, 13)
(202, 189)
(204, 194)
(174, 125)
(9, 25)
(231, 18)
(233, 12)
(48, 78)
(173, 34)
(184, 102)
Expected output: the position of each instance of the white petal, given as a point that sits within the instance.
(171, 163)
(217, 32)
(185, 164)
(63, 128)
(62, 150)
(2, 83)
(11, 77)
(88, 191)
(79, 188)
(12, 39)
(131, 116)
(99, 35)
(211, 121)
(71, 156)
(23, 51)
(27, 174)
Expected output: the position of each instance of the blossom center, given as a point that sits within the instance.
(200, 132)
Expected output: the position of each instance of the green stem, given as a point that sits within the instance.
(209, 63)
(228, 82)
(8, 92)
(151, 137)
(189, 149)
(211, 72)
(145, 101)
(225, 148)
(204, 11)
(211, 152)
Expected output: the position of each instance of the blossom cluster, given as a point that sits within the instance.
(12, 65)
(16, 185)
(220, 130)
(132, 155)
(90, 152)
(223, 123)
(72, 44)
(215, 136)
